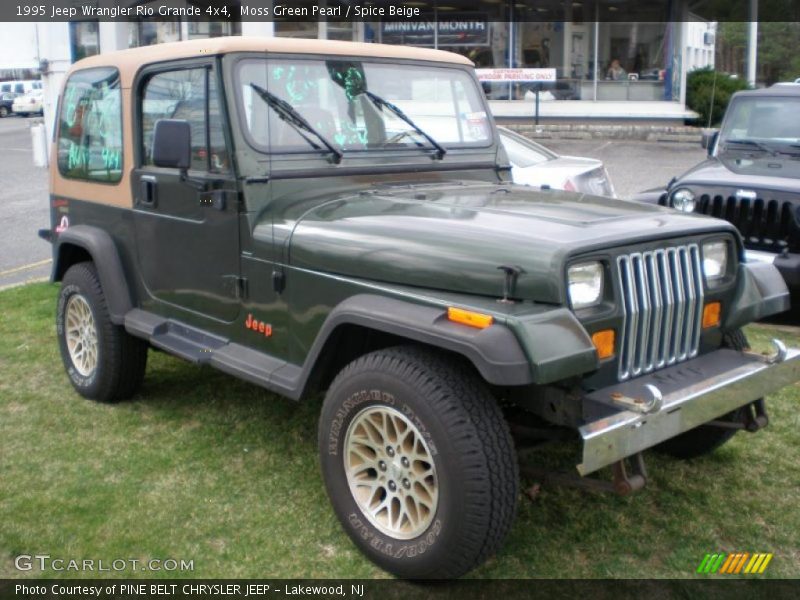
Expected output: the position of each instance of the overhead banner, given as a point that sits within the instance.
(462, 30)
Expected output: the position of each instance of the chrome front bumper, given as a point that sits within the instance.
(661, 405)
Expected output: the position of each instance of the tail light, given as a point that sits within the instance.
(569, 186)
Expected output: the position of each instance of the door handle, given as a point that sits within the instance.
(147, 196)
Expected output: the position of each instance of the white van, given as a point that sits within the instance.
(20, 86)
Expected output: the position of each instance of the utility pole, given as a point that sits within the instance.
(752, 43)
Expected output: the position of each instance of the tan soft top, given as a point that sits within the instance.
(129, 61)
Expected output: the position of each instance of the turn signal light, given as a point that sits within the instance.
(711, 314)
(469, 318)
(604, 343)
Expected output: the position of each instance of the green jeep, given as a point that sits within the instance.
(321, 216)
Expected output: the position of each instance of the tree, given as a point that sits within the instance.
(778, 59)
(708, 94)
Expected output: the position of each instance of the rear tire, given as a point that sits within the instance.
(102, 360)
(3, 112)
(707, 438)
(418, 462)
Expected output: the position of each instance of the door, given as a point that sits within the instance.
(186, 224)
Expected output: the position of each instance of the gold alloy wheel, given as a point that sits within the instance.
(81, 335)
(391, 472)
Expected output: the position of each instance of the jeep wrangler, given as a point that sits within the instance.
(322, 216)
(751, 178)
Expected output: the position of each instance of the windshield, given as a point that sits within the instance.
(767, 121)
(341, 100)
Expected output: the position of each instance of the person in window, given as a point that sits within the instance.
(615, 71)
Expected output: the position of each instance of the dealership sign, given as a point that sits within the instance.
(460, 30)
(497, 75)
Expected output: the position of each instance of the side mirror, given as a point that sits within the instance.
(172, 144)
(709, 140)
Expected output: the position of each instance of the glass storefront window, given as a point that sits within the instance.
(84, 39)
(211, 29)
(593, 60)
(147, 33)
(297, 29)
(341, 30)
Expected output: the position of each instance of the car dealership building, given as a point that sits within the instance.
(606, 68)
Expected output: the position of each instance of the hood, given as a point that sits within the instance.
(454, 237)
(740, 169)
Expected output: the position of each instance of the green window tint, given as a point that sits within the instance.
(337, 98)
(90, 126)
(190, 95)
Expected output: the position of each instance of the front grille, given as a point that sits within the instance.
(662, 294)
(764, 224)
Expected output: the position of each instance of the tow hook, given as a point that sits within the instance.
(638, 404)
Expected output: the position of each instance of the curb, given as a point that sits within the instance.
(644, 133)
(11, 286)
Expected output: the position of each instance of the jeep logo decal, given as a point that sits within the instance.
(259, 326)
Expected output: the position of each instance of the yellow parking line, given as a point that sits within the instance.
(41, 263)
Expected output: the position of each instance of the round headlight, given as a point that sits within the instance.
(683, 200)
(585, 283)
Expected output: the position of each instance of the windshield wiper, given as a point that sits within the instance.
(753, 143)
(381, 103)
(289, 114)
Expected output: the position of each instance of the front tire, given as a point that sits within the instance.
(3, 112)
(102, 360)
(705, 439)
(418, 462)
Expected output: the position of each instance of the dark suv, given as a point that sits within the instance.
(751, 178)
(332, 217)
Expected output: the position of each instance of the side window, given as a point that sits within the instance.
(90, 126)
(190, 95)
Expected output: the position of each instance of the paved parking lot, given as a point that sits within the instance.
(23, 206)
(633, 166)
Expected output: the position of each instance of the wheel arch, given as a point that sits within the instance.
(364, 323)
(82, 243)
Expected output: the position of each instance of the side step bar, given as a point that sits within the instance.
(201, 348)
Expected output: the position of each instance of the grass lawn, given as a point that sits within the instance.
(204, 467)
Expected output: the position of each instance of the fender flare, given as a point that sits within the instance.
(495, 351)
(99, 245)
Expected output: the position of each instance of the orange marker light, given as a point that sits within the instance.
(604, 343)
(711, 314)
(469, 318)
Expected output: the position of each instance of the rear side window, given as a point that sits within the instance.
(190, 95)
(90, 126)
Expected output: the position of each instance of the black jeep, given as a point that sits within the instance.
(751, 177)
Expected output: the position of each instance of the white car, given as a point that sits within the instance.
(29, 104)
(533, 164)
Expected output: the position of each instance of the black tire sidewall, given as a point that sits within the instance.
(409, 558)
(88, 386)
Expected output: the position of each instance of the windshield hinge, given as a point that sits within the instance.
(235, 286)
